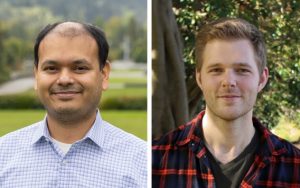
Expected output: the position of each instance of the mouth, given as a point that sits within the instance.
(65, 95)
(229, 96)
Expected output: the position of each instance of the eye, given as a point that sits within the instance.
(216, 70)
(243, 70)
(81, 69)
(50, 69)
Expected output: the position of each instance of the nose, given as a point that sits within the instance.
(229, 79)
(65, 78)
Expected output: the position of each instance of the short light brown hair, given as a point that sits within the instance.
(231, 29)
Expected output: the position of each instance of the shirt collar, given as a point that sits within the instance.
(271, 144)
(41, 132)
(95, 134)
(192, 132)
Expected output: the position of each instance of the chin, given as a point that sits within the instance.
(230, 115)
(66, 110)
(63, 109)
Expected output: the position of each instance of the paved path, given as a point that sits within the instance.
(17, 86)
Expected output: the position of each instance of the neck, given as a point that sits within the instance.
(227, 139)
(69, 131)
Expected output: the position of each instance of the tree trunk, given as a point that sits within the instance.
(169, 97)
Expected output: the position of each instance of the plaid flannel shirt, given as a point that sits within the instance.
(179, 159)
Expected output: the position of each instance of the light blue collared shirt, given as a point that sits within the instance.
(105, 157)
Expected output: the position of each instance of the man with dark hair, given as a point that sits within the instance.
(225, 146)
(72, 146)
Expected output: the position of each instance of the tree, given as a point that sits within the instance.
(169, 107)
(4, 71)
(126, 34)
(137, 34)
(15, 51)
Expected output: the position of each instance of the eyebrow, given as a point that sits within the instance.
(241, 64)
(80, 61)
(214, 65)
(53, 62)
(48, 62)
(237, 64)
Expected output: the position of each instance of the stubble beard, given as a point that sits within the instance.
(70, 115)
(230, 115)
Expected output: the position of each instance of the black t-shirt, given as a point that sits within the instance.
(230, 175)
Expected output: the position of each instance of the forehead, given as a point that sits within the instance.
(65, 49)
(69, 29)
(228, 51)
(56, 42)
(70, 32)
(58, 37)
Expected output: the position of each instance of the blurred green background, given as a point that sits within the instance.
(125, 25)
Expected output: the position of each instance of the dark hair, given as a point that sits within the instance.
(231, 29)
(92, 30)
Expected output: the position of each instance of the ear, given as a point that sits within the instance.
(35, 76)
(198, 77)
(105, 75)
(263, 79)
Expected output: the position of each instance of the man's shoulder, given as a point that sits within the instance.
(291, 150)
(19, 136)
(281, 147)
(16, 142)
(120, 136)
(180, 135)
(276, 145)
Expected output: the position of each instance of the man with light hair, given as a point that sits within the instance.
(225, 146)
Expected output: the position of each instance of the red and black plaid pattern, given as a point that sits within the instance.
(179, 159)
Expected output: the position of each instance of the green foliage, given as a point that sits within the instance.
(279, 22)
(86, 10)
(20, 101)
(139, 48)
(4, 71)
(125, 33)
(14, 50)
(128, 103)
(28, 100)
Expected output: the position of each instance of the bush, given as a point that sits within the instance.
(31, 101)
(128, 103)
(20, 101)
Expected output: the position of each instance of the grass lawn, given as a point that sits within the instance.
(134, 122)
(128, 92)
(128, 80)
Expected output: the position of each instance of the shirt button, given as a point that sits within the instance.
(63, 162)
